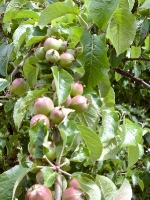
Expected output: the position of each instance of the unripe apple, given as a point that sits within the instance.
(72, 194)
(40, 53)
(57, 114)
(79, 103)
(38, 192)
(39, 117)
(65, 167)
(50, 150)
(52, 43)
(74, 183)
(43, 105)
(52, 56)
(19, 86)
(63, 47)
(66, 59)
(76, 89)
(67, 102)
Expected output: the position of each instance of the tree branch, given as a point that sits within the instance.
(129, 75)
(14, 72)
(132, 59)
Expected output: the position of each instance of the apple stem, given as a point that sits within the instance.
(64, 172)
(58, 188)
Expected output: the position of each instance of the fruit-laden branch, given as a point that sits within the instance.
(127, 74)
(132, 59)
(14, 72)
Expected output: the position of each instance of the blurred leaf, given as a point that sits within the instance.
(121, 29)
(31, 70)
(124, 192)
(133, 155)
(3, 84)
(14, 14)
(109, 125)
(135, 52)
(5, 51)
(22, 105)
(103, 12)
(107, 187)
(127, 4)
(49, 176)
(93, 58)
(76, 33)
(56, 10)
(132, 133)
(104, 85)
(16, 4)
(109, 99)
(88, 186)
(10, 179)
(63, 82)
(92, 141)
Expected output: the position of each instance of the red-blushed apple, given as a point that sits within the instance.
(39, 117)
(19, 86)
(52, 43)
(57, 114)
(79, 103)
(72, 194)
(76, 89)
(66, 59)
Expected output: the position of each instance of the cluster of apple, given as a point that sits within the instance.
(38, 191)
(55, 52)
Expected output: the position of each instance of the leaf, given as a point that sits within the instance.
(109, 125)
(9, 178)
(109, 99)
(68, 131)
(101, 11)
(107, 187)
(56, 10)
(23, 104)
(127, 4)
(124, 192)
(16, 4)
(93, 58)
(92, 141)
(122, 29)
(135, 52)
(133, 155)
(5, 51)
(31, 70)
(37, 134)
(132, 133)
(49, 176)
(146, 4)
(3, 84)
(88, 118)
(34, 35)
(76, 33)
(19, 36)
(63, 81)
(88, 186)
(15, 14)
(104, 85)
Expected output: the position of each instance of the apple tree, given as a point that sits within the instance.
(74, 99)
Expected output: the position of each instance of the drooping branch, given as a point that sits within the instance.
(132, 59)
(131, 76)
(14, 72)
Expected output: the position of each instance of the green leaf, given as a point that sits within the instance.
(104, 85)
(93, 58)
(3, 84)
(110, 148)
(31, 70)
(109, 125)
(122, 29)
(124, 192)
(56, 10)
(75, 35)
(16, 4)
(37, 134)
(88, 118)
(88, 186)
(101, 11)
(23, 104)
(109, 100)
(34, 35)
(9, 178)
(68, 131)
(92, 141)
(19, 36)
(127, 4)
(132, 133)
(15, 14)
(5, 51)
(63, 82)
(107, 187)
(146, 4)
(135, 52)
(49, 176)
(133, 155)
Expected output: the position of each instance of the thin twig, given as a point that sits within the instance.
(21, 63)
(87, 26)
(64, 172)
(132, 59)
(60, 156)
(58, 188)
(131, 76)
(50, 163)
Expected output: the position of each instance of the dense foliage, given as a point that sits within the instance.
(74, 99)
